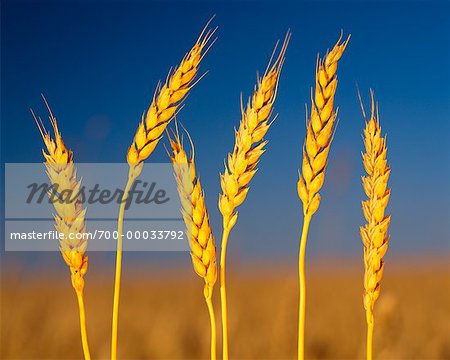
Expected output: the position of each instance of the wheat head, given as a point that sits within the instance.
(319, 129)
(70, 215)
(241, 164)
(168, 99)
(196, 218)
(195, 214)
(374, 233)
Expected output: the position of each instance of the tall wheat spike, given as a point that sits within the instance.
(374, 233)
(319, 134)
(166, 102)
(242, 162)
(69, 218)
(196, 218)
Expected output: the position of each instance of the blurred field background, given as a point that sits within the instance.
(163, 315)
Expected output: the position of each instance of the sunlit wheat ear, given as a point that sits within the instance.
(374, 234)
(70, 215)
(241, 164)
(320, 128)
(168, 99)
(196, 218)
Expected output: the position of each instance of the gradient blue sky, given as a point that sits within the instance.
(98, 64)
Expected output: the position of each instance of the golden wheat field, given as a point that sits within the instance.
(163, 314)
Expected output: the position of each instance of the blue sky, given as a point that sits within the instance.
(98, 64)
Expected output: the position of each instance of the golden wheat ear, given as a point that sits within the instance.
(168, 98)
(374, 233)
(195, 214)
(196, 218)
(166, 103)
(250, 144)
(70, 215)
(320, 129)
(241, 163)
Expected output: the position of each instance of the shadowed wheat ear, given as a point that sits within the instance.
(241, 164)
(374, 233)
(69, 217)
(167, 100)
(319, 134)
(196, 218)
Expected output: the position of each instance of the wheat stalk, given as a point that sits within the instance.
(319, 134)
(196, 218)
(374, 233)
(241, 163)
(69, 218)
(167, 100)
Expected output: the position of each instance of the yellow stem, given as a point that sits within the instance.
(302, 283)
(369, 340)
(212, 319)
(223, 293)
(115, 315)
(84, 340)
